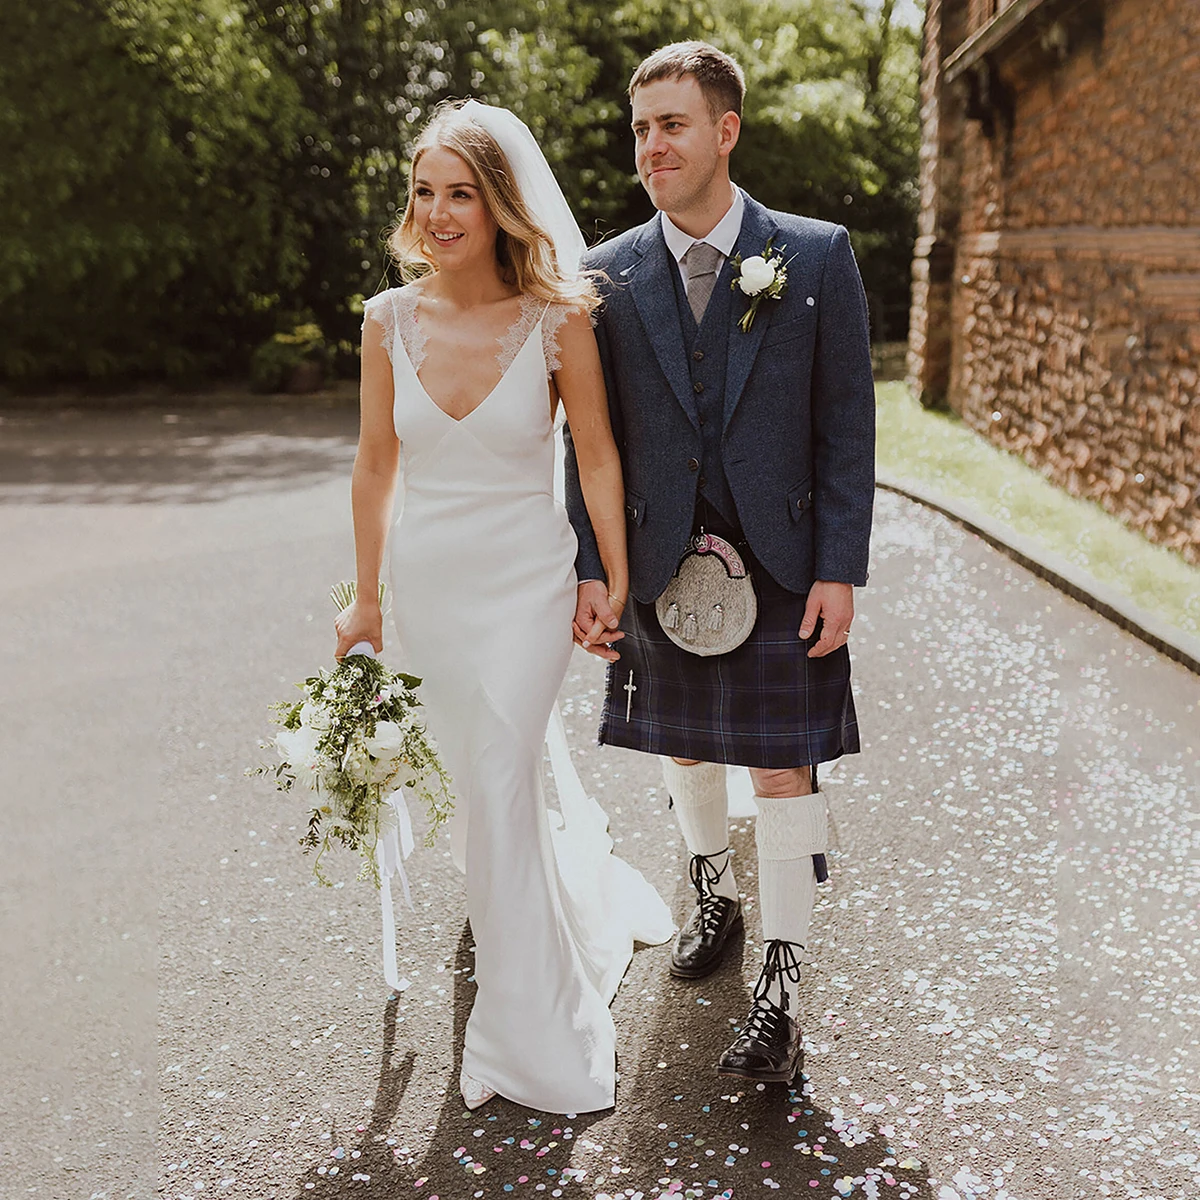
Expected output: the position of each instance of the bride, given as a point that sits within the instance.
(462, 370)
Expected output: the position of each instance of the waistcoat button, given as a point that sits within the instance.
(698, 355)
(697, 387)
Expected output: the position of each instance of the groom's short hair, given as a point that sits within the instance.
(719, 76)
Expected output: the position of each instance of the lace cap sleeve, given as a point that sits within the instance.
(381, 309)
(552, 323)
(396, 311)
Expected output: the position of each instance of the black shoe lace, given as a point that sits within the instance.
(766, 1017)
(704, 876)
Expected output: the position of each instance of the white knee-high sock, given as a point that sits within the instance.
(702, 807)
(788, 832)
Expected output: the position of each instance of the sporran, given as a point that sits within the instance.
(710, 605)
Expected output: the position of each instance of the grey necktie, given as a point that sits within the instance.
(701, 264)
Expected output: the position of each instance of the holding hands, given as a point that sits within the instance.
(597, 615)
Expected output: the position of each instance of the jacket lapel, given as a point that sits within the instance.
(757, 228)
(653, 292)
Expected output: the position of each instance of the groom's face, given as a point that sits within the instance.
(679, 145)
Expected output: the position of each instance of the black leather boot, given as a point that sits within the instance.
(700, 944)
(769, 1048)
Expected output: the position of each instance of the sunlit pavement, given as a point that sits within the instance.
(1003, 997)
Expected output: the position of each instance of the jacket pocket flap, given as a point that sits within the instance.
(786, 331)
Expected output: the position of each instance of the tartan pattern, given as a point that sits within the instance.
(765, 704)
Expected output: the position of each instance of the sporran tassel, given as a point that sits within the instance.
(716, 618)
(671, 621)
(690, 627)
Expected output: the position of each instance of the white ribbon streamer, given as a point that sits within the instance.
(394, 846)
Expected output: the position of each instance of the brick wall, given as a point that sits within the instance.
(1073, 302)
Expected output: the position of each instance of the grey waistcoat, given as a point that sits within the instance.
(708, 351)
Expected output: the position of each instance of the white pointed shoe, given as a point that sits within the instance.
(474, 1093)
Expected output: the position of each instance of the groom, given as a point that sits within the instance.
(764, 437)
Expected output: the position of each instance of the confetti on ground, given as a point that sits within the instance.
(1003, 992)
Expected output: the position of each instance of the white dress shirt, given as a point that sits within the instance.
(721, 237)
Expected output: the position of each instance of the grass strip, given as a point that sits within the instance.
(938, 451)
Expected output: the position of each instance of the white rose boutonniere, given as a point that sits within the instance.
(760, 275)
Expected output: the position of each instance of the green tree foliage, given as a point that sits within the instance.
(182, 178)
(138, 189)
(831, 128)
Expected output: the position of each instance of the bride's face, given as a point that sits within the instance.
(450, 212)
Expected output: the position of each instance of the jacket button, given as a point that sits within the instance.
(703, 481)
(698, 355)
(693, 464)
(697, 387)
(630, 511)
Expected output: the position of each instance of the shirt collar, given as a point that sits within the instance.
(721, 237)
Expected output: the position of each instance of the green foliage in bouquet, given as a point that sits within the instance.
(354, 737)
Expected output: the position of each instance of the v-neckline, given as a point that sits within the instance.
(494, 388)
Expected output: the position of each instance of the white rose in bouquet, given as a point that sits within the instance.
(757, 275)
(387, 742)
(298, 748)
(315, 716)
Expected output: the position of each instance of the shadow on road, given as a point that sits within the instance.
(727, 1134)
(676, 1123)
(153, 457)
(449, 1168)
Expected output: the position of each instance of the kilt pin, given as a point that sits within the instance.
(764, 436)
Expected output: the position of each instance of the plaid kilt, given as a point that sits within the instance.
(765, 704)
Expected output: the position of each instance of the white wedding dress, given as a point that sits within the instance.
(483, 596)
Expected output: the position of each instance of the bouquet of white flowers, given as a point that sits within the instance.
(354, 738)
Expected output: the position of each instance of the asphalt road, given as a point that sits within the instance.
(1003, 995)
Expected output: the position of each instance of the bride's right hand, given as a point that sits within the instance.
(358, 622)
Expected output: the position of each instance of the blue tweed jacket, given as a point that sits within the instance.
(798, 443)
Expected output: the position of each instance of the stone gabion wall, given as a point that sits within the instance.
(1075, 296)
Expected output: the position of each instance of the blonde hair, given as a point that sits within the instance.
(524, 251)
